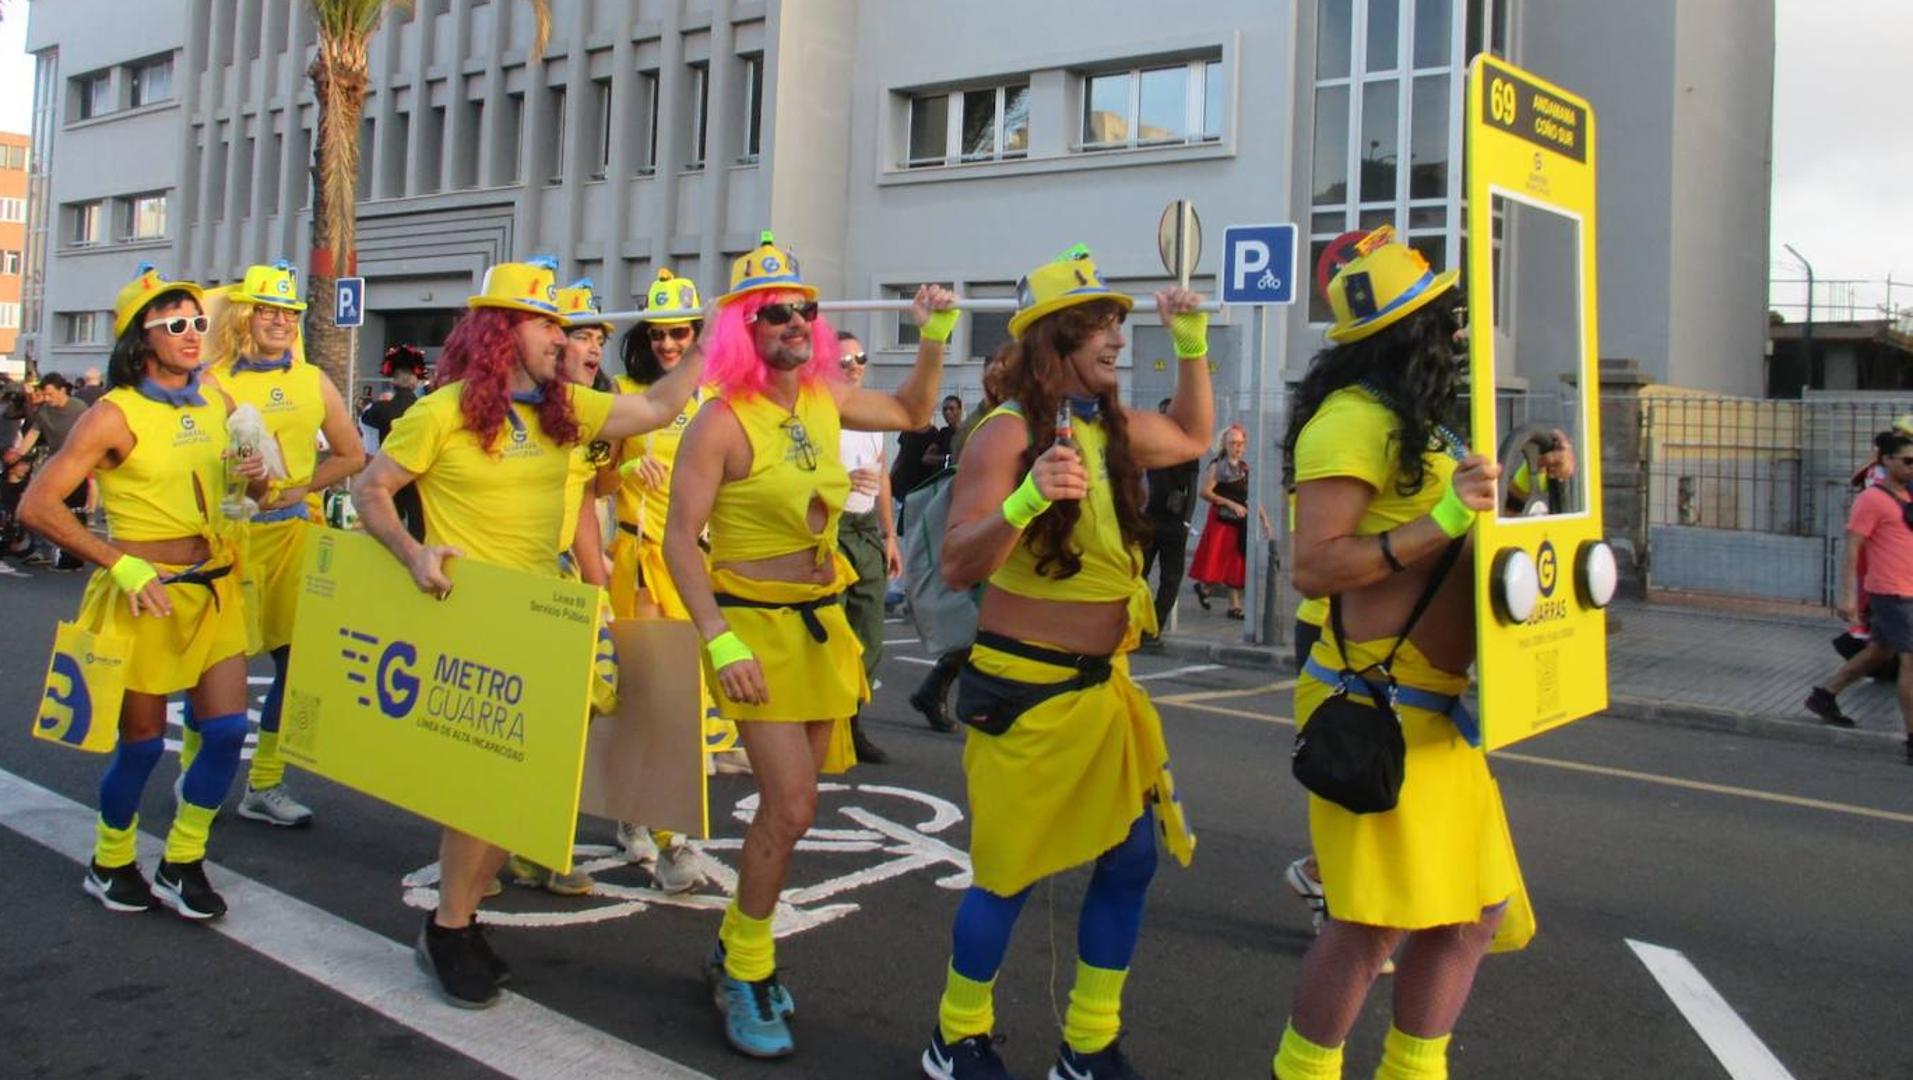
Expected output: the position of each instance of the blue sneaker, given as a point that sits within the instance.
(974, 1058)
(752, 1023)
(714, 974)
(1105, 1064)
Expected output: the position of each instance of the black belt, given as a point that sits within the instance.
(628, 527)
(196, 576)
(806, 609)
(1092, 669)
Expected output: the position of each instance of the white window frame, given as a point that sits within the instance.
(651, 87)
(604, 90)
(81, 327)
(9, 315)
(132, 234)
(953, 150)
(750, 154)
(1195, 93)
(699, 149)
(13, 211)
(10, 263)
(98, 214)
(555, 161)
(87, 83)
(136, 72)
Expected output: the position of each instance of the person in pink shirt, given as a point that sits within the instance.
(1880, 531)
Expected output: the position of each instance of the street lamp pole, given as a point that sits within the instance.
(1814, 374)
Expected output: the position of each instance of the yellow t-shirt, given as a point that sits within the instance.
(635, 505)
(1112, 567)
(508, 506)
(293, 406)
(1354, 435)
(170, 485)
(586, 458)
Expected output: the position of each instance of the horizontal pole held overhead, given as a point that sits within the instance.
(965, 303)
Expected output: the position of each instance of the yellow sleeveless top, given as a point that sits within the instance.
(794, 459)
(1353, 434)
(635, 505)
(1112, 568)
(292, 405)
(169, 486)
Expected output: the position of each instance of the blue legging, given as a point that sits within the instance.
(1106, 929)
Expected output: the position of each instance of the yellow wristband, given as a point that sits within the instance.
(939, 325)
(132, 573)
(726, 649)
(1454, 516)
(1024, 503)
(1190, 333)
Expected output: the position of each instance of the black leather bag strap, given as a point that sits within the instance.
(1427, 597)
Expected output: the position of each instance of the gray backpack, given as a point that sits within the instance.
(945, 617)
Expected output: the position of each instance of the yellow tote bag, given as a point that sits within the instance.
(85, 682)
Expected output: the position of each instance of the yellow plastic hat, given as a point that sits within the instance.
(670, 292)
(1071, 280)
(276, 285)
(1904, 424)
(1383, 284)
(531, 286)
(768, 267)
(578, 307)
(142, 289)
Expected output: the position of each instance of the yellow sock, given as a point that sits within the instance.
(186, 840)
(189, 743)
(1094, 1017)
(968, 1007)
(115, 847)
(1300, 1059)
(749, 952)
(268, 768)
(1405, 1057)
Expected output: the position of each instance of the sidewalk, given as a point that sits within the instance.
(1686, 666)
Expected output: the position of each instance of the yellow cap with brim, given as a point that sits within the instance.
(578, 307)
(672, 293)
(531, 286)
(765, 268)
(276, 285)
(1383, 284)
(1070, 280)
(143, 289)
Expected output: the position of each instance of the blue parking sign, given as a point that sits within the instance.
(1258, 264)
(348, 304)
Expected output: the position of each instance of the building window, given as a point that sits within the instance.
(152, 81)
(10, 263)
(753, 108)
(601, 104)
(514, 135)
(906, 335)
(13, 157)
(553, 149)
(648, 108)
(9, 316)
(929, 131)
(1153, 106)
(984, 123)
(94, 94)
(82, 327)
(701, 106)
(146, 217)
(87, 223)
(13, 210)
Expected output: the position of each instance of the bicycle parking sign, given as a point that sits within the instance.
(1258, 264)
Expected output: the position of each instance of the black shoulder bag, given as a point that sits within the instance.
(1351, 752)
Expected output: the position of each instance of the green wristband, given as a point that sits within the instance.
(132, 574)
(1024, 504)
(939, 325)
(1190, 332)
(1454, 516)
(726, 649)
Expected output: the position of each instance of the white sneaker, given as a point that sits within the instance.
(677, 868)
(1308, 889)
(637, 843)
(274, 806)
(732, 762)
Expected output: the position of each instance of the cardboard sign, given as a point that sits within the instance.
(470, 711)
(646, 764)
(1534, 386)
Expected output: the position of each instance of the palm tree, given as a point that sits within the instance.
(339, 83)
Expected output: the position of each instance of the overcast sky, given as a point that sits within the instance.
(1843, 158)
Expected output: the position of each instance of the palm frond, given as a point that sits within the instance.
(541, 32)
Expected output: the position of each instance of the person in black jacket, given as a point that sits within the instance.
(405, 366)
(1172, 501)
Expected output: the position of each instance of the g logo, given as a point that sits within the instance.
(1547, 567)
(397, 685)
(519, 435)
(185, 422)
(278, 395)
(771, 265)
(75, 705)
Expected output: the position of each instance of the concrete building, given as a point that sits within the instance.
(892, 143)
(13, 240)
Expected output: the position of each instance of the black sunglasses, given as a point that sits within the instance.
(857, 358)
(779, 314)
(675, 333)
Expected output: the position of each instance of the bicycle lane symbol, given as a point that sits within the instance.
(910, 849)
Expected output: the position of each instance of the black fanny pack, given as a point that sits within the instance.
(806, 609)
(992, 703)
(1351, 752)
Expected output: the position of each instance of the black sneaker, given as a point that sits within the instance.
(974, 1058)
(184, 888)
(501, 971)
(867, 751)
(119, 888)
(458, 960)
(1909, 749)
(1105, 1064)
(1822, 704)
(928, 699)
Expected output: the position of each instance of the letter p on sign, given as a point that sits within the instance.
(348, 308)
(1258, 264)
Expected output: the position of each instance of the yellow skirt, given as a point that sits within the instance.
(168, 655)
(1066, 781)
(275, 557)
(624, 573)
(807, 679)
(1444, 854)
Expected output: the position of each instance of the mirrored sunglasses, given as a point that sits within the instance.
(779, 314)
(857, 358)
(177, 325)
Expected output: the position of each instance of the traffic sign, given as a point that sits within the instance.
(348, 303)
(1179, 240)
(1258, 264)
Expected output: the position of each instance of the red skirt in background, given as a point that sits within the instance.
(1220, 553)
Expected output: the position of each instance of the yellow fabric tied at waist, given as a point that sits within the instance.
(273, 558)
(168, 654)
(807, 679)
(1068, 776)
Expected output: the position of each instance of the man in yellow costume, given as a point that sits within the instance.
(498, 432)
(157, 443)
(255, 356)
(1065, 758)
(760, 466)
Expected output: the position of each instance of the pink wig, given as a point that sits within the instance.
(732, 364)
(482, 351)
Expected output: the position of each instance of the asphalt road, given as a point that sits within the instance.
(1780, 873)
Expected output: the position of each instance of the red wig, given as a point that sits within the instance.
(731, 362)
(482, 352)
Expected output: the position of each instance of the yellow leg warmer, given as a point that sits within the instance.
(268, 768)
(1404, 1057)
(186, 840)
(1094, 1017)
(115, 847)
(968, 1007)
(189, 744)
(1300, 1059)
(749, 952)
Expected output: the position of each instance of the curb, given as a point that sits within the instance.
(1698, 717)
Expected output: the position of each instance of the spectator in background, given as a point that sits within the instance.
(1222, 554)
(1172, 502)
(90, 387)
(405, 366)
(45, 434)
(923, 453)
(867, 536)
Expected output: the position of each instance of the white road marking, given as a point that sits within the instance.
(517, 1037)
(1192, 669)
(1740, 1051)
(926, 661)
(901, 641)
